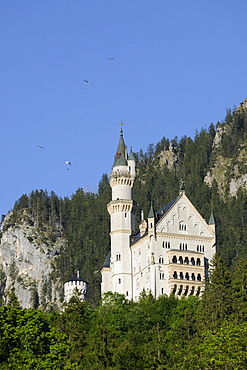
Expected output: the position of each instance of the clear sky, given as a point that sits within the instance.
(178, 66)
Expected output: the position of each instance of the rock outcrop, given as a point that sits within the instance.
(27, 264)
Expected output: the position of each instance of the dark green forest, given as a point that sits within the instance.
(167, 333)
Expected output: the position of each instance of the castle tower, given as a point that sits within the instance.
(122, 213)
(73, 285)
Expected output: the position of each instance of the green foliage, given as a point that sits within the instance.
(29, 340)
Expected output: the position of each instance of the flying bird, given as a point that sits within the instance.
(40, 146)
(110, 58)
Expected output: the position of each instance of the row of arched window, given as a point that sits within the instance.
(186, 276)
(186, 290)
(186, 260)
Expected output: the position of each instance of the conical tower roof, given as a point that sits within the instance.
(211, 220)
(151, 211)
(120, 159)
(131, 155)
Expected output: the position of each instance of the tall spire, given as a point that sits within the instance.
(211, 220)
(120, 159)
(151, 211)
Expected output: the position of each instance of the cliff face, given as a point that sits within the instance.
(27, 264)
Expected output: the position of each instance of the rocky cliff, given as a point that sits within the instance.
(28, 264)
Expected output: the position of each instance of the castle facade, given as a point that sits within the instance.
(170, 253)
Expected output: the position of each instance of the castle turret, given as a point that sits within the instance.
(122, 212)
(73, 285)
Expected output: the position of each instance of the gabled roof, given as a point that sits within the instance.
(120, 159)
(166, 208)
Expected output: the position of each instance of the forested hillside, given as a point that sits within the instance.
(209, 164)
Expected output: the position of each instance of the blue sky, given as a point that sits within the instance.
(178, 66)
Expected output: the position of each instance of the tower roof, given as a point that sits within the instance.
(107, 260)
(151, 211)
(211, 220)
(131, 155)
(120, 159)
(75, 277)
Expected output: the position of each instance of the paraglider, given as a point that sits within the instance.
(40, 146)
(110, 58)
(68, 162)
(87, 82)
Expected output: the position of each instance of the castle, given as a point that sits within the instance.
(170, 253)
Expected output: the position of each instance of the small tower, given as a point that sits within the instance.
(75, 283)
(122, 213)
(151, 221)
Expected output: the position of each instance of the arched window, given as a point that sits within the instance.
(192, 290)
(186, 290)
(181, 275)
(180, 260)
(174, 289)
(193, 277)
(186, 260)
(118, 257)
(192, 261)
(198, 262)
(199, 277)
(174, 259)
(175, 275)
(187, 277)
(182, 226)
(162, 275)
(161, 259)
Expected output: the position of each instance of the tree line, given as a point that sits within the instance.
(164, 333)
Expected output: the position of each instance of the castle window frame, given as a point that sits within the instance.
(174, 259)
(118, 257)
(182, 226)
